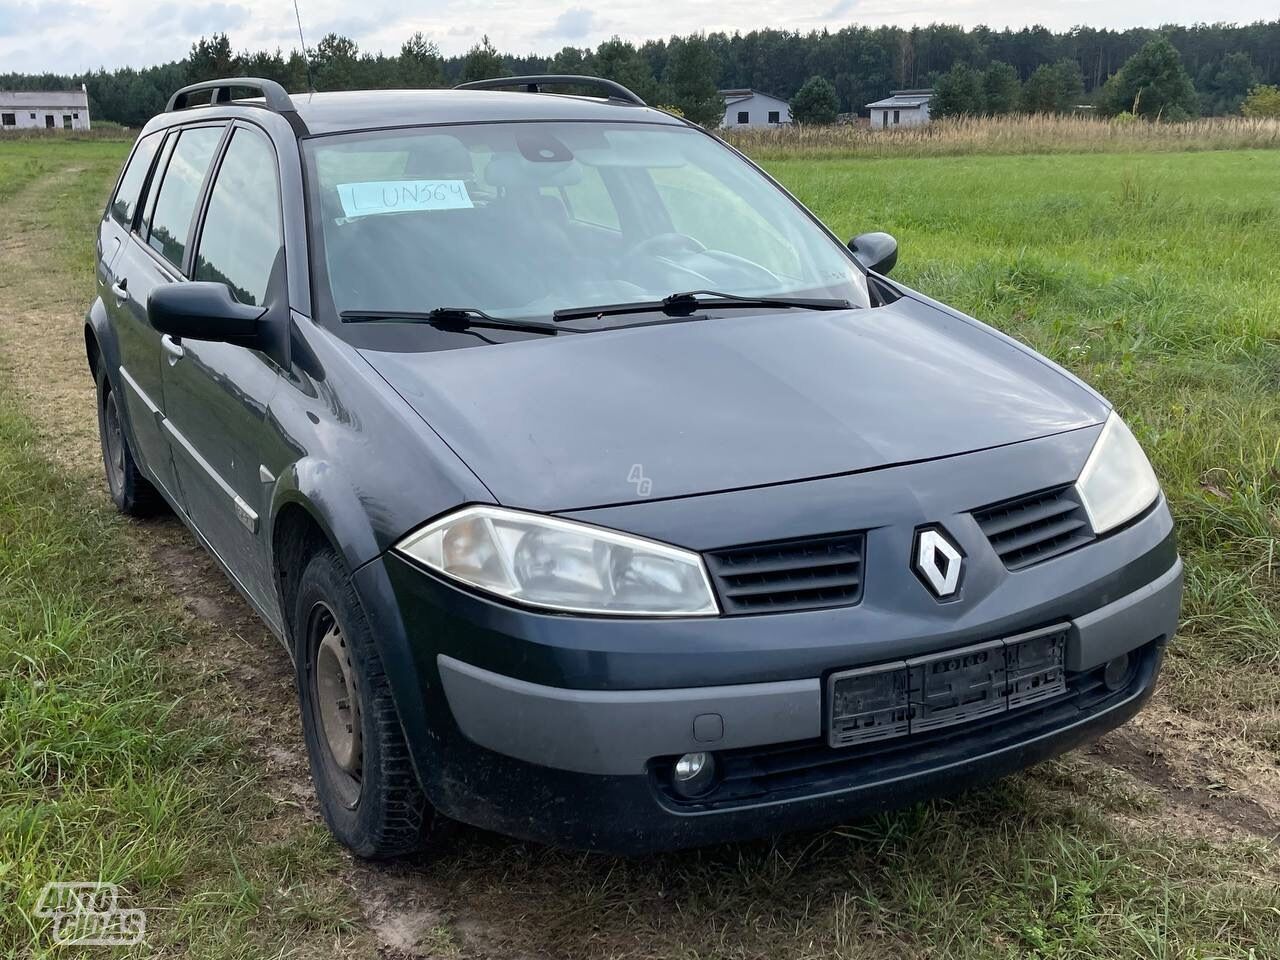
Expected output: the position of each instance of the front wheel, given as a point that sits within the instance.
(365, 783)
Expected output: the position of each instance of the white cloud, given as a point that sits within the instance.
(75, 35)
(576, 23)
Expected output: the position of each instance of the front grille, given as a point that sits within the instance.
(806, 574)
(1034, 528)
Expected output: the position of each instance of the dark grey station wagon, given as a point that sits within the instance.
(598, 492)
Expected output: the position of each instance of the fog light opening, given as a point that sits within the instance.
(694, 774)
(1117, 671)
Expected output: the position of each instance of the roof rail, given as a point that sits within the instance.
(275, 95)
(534, 84)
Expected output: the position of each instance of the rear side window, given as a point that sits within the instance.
(125, 203)
(241, 238)
(171, 221)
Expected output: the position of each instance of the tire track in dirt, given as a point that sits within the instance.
(242, 666)
(411, 909)
(42, 355)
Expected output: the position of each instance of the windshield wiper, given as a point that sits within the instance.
(683, 304)
(451, 318)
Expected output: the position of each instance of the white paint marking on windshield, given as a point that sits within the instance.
(396, 196)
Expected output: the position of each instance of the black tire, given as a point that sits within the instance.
(130, 491)
(369, 793)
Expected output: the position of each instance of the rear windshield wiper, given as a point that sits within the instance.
(451, 318)
(683, 304)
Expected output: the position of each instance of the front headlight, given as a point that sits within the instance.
(561, 565)
(1117, 482)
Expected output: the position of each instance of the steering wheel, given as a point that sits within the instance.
(663, 244)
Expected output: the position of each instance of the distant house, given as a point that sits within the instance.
(902, 108)
(751, 108)
(44, 110)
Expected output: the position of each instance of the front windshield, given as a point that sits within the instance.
(522, 219)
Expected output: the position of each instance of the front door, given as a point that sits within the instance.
(217, 394)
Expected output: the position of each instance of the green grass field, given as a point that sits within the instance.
(1156, 277)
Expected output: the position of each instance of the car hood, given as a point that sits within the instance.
(734, 401)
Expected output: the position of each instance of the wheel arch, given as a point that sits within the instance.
(97, 337)
(314, 507)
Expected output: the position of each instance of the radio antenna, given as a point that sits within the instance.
(311, 83)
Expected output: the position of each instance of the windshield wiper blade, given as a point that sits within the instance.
(450, 318)
(683, 304)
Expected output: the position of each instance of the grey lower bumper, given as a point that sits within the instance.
(609, 732)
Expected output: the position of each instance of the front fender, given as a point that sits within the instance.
(327, 494)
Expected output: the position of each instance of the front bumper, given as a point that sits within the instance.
(618, 732)
(563, 728)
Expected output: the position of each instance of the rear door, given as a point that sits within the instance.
(151, 255)
(216, 394)
(137, 344)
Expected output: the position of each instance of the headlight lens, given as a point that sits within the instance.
(561, 565)
(1117, 482)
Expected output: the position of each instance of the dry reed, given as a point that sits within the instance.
(1013, 134)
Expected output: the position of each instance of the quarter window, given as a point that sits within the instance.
(775, 116)
(241, 238)
(125, 203)
(171, 221)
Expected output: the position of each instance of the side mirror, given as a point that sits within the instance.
(204, 310)
(878, 252)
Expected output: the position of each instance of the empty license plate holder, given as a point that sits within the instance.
(945, 689)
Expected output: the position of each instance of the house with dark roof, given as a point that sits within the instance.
(902, 108)
(751, 108)
(44, 110)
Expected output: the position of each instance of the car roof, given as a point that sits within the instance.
(341, 112)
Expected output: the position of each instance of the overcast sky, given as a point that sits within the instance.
(73, 35)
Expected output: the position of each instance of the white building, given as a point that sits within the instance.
(44, 110)
(902, 108)
(751, 108)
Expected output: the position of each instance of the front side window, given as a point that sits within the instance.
(744, 116)
(125, 203)
(241, 239)
(8, 119)
(523, 219)
(176, 201)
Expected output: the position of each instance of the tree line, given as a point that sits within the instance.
(975, 70)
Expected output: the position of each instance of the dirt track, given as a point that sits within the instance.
(486, 896)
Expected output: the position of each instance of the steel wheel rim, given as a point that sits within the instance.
(113, 443)
(336, 696)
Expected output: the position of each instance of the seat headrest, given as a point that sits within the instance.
(439, 157)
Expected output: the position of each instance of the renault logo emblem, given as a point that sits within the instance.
(937, 562)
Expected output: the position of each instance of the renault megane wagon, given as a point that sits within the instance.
(598, 492)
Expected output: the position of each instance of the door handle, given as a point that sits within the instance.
(121, 289)
(173, 348)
